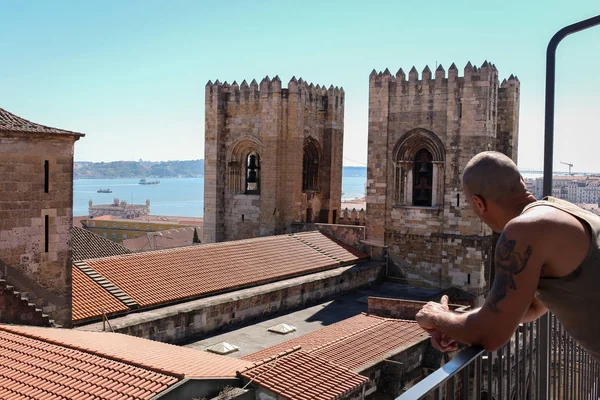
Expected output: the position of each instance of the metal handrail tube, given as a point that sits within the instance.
(441, 375)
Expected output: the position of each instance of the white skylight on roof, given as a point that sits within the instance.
(282, 329)
(223, 348)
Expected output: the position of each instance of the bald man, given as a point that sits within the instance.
(547, 257)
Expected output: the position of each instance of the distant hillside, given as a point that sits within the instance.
(139, 169)
(160, 169)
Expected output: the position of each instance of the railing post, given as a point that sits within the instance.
(548, 161)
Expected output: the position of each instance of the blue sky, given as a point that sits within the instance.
(131, 74)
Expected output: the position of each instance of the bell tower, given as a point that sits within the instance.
(273, 156)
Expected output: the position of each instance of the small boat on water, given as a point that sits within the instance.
(145, 182)
(104, 191)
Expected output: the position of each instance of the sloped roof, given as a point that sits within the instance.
(143, 353)
(89, 299)
(166, 239)
(87, 245)
(165, 276)
(35, 369)
(301, 376)
(11, 123)
(354, 343)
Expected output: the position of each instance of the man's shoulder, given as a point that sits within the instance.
(535, 221)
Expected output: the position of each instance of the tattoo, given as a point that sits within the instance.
(508, 264)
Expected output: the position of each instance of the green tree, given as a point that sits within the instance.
(196, 238)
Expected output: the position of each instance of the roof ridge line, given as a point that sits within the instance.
(316, 247)
(267, 360)
(89, 351)
(340, 339)
(108, 285)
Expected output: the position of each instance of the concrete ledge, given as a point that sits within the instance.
(183, 321)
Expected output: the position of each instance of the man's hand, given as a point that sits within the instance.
(427, 316)
(426, 320)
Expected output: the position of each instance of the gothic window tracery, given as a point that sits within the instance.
(419, 159)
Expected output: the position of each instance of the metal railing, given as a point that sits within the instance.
(513, 371)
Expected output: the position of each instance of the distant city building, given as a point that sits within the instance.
(273, 157)
(36, 198)
(120, 209)
(121, 229)
(576, 189)
(422, 133)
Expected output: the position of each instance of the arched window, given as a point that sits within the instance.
(419, 159)
(253, 173)
(243, 167)
(310, 166)
(422, 178)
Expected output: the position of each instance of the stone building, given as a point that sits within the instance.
(119, 209)
(422, 133)
(273, 156)
(36, 198)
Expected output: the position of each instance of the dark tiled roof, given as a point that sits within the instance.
(11, 123)
(88, 245)
(35, 369)
(454, 294)
(165, 276)
(166, 239)
(301, 376)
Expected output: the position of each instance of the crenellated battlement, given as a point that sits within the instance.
(487, 72)
(318, 96)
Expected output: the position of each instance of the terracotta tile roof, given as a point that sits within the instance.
(304, 376)
(164, 276)
(354, 343)
(329, 246)
(371, 345)
(35, 369)
(161, 240)
(11, 123)
(319, 337)
(87, 245)
(144, 353)
(89, 298)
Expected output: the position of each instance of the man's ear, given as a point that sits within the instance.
(480, 203)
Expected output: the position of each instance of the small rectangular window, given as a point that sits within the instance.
(124, 236)
(149, 227)
(46, 176)
(457, 199)
(46, 232)
(114, 235)
(124, 225)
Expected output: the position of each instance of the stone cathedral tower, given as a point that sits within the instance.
(422, 133)
(273, 156)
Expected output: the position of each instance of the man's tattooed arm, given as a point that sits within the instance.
(508, 264)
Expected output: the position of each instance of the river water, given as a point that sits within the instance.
(173, 196)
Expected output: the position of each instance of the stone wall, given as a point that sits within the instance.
(398, 308)
(16, 309)
(453, 118)
(34, 225)
(200, 317)
(350, 235)
(275, 124)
